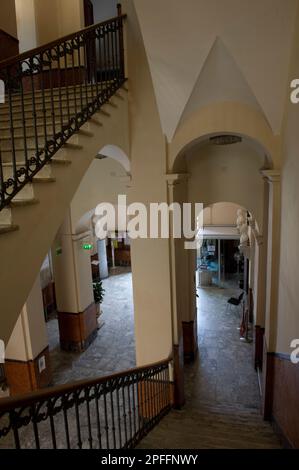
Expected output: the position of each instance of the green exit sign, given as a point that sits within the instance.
(58, 251)
(87, 246)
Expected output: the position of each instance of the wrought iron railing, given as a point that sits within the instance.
(113, 412)
(51, 92)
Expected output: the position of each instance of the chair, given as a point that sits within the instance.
(235, 301)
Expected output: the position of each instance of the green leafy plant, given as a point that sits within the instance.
(98, 291)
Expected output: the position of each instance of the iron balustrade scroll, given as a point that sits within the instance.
(51, 92)
(113, 412)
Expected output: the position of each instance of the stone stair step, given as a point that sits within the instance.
(4, 229)
(30, 126)
(47, 100)
(55, 91)
(18, 114)
(5, 217)
(23, 202)
(38, 179)
(7, 154)
(60, 161)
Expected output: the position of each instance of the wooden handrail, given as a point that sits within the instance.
(86, 67)
(38, 50)
(7, 404)
(9, 35)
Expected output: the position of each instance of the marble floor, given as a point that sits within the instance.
(113, 350)
(223, 371)
(222, 409)
(222, 392)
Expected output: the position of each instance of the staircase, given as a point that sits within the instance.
(200, 426)
(113, 412)
(64, 102)
(22, 168)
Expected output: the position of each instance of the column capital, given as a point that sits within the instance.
(176, 178)
(273, 176)
(77, 237)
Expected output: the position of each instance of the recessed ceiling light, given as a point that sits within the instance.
(225, 139)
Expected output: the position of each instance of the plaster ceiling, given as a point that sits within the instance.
(202, 51)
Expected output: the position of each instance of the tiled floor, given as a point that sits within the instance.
(114, 348)
(221, 386)
(222, 393)
(223, 372)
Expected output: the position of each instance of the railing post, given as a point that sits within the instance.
(121, 42)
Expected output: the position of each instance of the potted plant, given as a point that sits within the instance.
(98, 293)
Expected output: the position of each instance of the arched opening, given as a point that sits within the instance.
(104, 264)
(218, 259)
(223, 174)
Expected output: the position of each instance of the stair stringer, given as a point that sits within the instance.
(23, 251)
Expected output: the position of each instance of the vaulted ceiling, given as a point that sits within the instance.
(203, 51)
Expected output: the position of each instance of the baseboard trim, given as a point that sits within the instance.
(78, 347)
(190, 340)
(280, 396)
(286, 443)
(25, 376)
(283, 356)
(78, 330)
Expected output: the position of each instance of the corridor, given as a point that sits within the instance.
(222, 408)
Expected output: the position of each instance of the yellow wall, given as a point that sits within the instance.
(40, 222)
(42, 21)
(221, 213)
(288, 311)
(26, 23)
(56, 18)
(179, 38)
(227, 174)
(103, 182)
(72, 269)
(150, 258)
(29, 337)
(8, 17)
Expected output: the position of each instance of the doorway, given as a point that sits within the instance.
(88, 13)
(220, 263)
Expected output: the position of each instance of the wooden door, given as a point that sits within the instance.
(88, 12)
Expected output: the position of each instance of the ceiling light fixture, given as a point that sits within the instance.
(225, 139)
